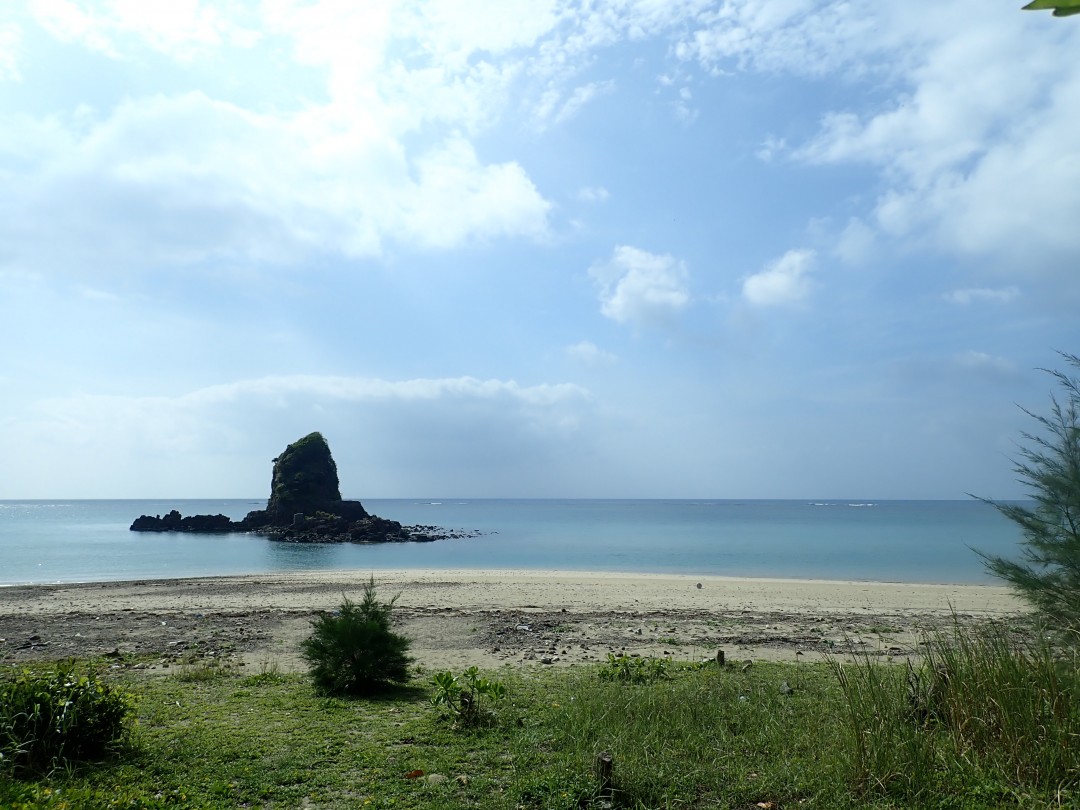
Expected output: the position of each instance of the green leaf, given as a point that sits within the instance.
(1061, 8)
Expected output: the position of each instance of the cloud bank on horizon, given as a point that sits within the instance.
(547, 248)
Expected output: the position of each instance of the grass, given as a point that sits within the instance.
(986, 723)
(987, 713)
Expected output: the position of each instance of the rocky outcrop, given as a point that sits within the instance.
(372, 529)
(174, 522)
(305, 482)
(305, 506)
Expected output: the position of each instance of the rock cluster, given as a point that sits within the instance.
(305, 506)
(337, 529)
(175, 522)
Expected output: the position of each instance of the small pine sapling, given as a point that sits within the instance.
(355, 651)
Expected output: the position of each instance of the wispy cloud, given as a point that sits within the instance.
(981, 361)
(783, 282)
(181, 30)
(982, 295)
(641, 288)
(10, 40)
(593, 194)
(590, 354)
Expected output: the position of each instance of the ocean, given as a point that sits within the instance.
(898, 541)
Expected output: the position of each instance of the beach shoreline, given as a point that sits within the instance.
(491, 618)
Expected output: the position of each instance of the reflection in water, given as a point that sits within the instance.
(280, 556)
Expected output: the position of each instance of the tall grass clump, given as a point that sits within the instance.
(355, 651)
(703, 736)
(983, 709)
(56, 718)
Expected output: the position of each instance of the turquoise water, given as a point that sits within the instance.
(901, 541)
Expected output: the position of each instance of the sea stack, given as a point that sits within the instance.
(305, 506)
(305, 485)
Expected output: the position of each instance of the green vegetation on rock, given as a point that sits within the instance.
(305, 479)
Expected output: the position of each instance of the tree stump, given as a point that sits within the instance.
(604, 767)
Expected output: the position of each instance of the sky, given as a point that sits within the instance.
(547, 248)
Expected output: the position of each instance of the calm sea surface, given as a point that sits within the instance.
(903, 541)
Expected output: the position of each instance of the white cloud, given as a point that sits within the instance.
(640, 287)
(784, 281)
(593, 194)
(181, 29)
(10, 41)
(802, 36)
(684, 111)
(590, 354)
(770, 148)
(975, 150)
(856, 243)
(219, 439)
(972, 125)
(186, 178)
(456, 199)
(556, 107)
(580, 96)
(982, 362)
(360, 389)
(91, 294)
(982, 295)
(455, 30)
(386, 157)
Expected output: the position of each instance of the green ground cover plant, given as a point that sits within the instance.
(980, 721)
(58, 717)
(633, 669)
(468, 699)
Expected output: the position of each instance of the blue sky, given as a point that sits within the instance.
(651, 248)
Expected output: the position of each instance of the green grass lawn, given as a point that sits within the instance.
(769, 736)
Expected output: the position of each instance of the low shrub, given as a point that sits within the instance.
(630, 669)
(465, 698)
(354, 651)
(58, 717)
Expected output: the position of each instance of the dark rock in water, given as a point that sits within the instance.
(174, 522)
(305, 482)
(326, 528)
(305, 506)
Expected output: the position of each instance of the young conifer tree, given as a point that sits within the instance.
(1048, 574)
(355, 651)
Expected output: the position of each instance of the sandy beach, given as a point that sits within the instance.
(489, 618)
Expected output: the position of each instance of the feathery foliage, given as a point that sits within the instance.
(354, 651)
(1048, 576)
